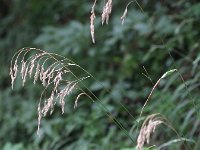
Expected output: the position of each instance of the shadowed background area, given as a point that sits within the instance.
(127, 60)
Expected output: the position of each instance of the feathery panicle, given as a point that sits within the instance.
(92, 17)
(23, 68)
(41, 72)
(13, 73)
(106, 12)
(148, 127)
(14, 69)
(31, 67)
(54, 74)
(39, 118)
(32, 62)
(44, 77)
(12, 77)
(103, 16)
(24, 71)
(50, 76)
(49, 73)
(25, 75)
(95, 1)
(125, 13)
(107, 8)
(76, 101)
(48, 105)
(62, 95)
(57, 80)
(66, 91)
(37, 72)
(72, 87)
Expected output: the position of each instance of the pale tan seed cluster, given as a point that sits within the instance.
(147, 129)
(107, 8)
(125, 12)
(92, 17)
(51, 76)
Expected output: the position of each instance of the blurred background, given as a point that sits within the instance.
(120, 60)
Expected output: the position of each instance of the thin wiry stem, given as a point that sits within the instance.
(156, 84)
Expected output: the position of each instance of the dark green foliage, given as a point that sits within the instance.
(116, 60)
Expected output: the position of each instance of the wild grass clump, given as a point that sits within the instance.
(53, 76)
(57, 76)
(54, 73)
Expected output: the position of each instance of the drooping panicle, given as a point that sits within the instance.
(148, 127)
(62, 95)
(23, 69)
(57, 80)
(107, 9)
(77, 98)
(13, 73)
(32, 66)
(125, 12)
(25, 74)
(37, 72)
(48, 105)
(53, 77)
(39, 118)
(92, 18)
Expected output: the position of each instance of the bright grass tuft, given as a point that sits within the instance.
(53, 77)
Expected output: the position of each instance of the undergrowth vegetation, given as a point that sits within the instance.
(138, 85)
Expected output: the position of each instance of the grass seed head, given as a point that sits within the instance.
(147, 129)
